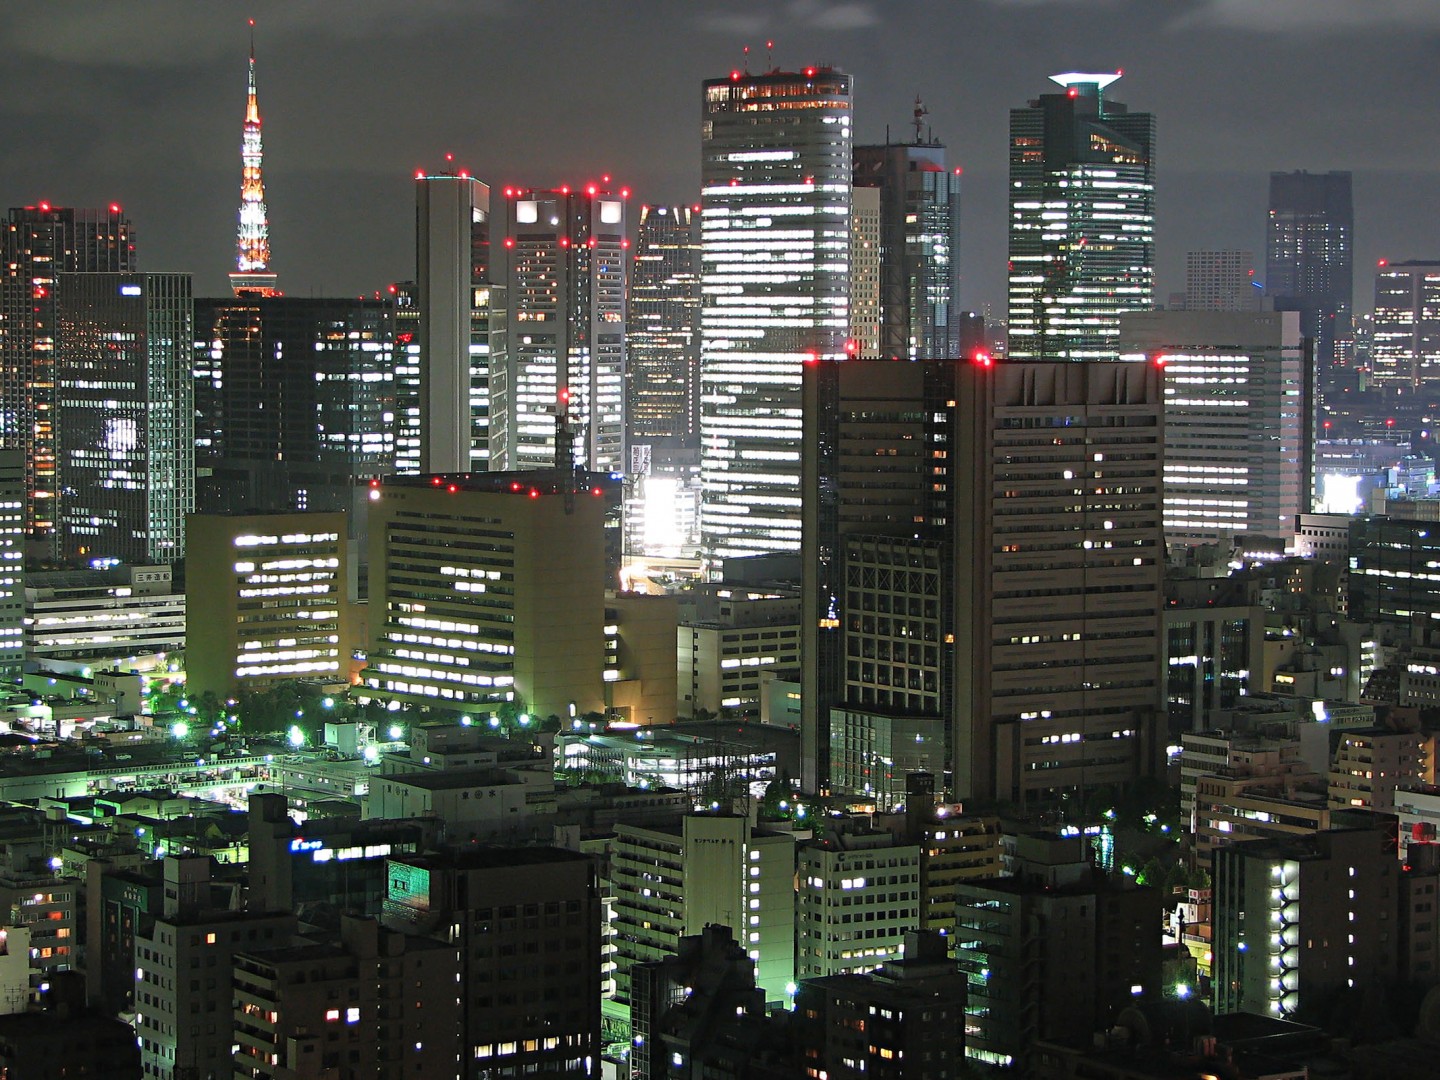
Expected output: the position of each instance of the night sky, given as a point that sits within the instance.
(142, 103)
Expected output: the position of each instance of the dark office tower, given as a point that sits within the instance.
(775, 284)
(1082, 220)
(563, 269)
(295, 402)
(663, 398)
(526, 925)
(452, 267)
(38, 243)
(124, 416)
(1221, 281)
(1308, 253)
(919, 247)
(982, 571)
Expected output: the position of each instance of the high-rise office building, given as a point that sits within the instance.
(1221, 281)
(557, 373)
(1082, 220)
(663, 401)
(490, 588)
(37, 244)
(452, 268)
(919, 246)
(982, 575)
(1405, 342)
(1308, 251)
(295, 402)
(1236, 460)
(124, 416)
(866, 257)
(252, 275)
(775, 232)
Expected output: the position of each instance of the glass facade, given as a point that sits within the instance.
(664, 326)
(775, 236)
(920, 248)
(37, 243)
(125, 416)
(1082, 221)
(296, 402)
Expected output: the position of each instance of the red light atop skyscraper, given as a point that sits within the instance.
(983, 358)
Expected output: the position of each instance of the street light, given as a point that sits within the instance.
(297, 737)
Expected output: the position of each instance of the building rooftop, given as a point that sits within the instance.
(491, 858)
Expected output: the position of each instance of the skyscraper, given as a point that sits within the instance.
(1236, 461)
(664, 327)
(124, 416)
(37, 244)
(452, 268)
(982, 571)
(252, 276)
(919, 246)
(1308, 251)
(1082, 220)
(563, 269)
(1221, 281)
(775, 233)
(295, 402)
(1405, 342)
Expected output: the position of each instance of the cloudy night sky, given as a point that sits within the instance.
(142, 103)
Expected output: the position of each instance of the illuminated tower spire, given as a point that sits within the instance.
(252, 275)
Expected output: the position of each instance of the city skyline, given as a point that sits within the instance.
(144, 112)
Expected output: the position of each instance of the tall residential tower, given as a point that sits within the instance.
(775, 233)
(1082, 220)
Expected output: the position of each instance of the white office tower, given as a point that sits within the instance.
(775, 247)
(1236, 404)
(452, 233)
(563, 268)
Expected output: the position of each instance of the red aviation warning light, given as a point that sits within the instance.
(564, 395)
(852, 347)
(983, 358)
(1159, 360)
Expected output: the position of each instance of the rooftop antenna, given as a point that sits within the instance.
(920, 113)
(769, 57)
(746, 52)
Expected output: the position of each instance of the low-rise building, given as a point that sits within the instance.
(727, 636)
